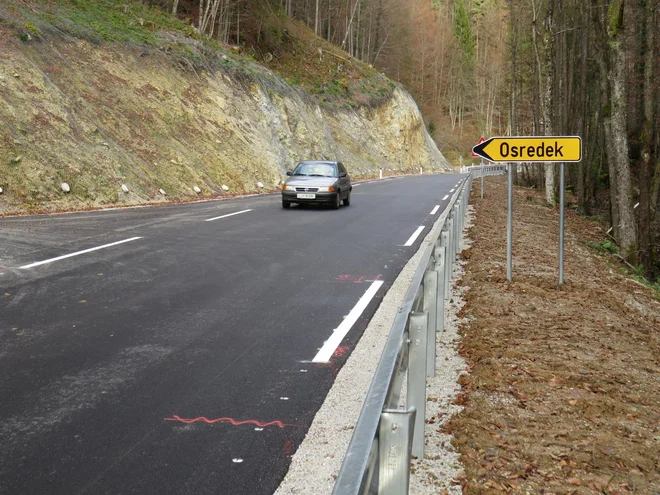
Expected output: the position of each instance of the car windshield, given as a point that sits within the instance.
(316, 169)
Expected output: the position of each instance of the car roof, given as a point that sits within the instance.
(331, 162)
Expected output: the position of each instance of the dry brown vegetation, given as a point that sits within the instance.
(562, 394)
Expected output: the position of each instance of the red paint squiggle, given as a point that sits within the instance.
(340, 351)
(233, 422)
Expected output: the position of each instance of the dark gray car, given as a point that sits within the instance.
(317, 182)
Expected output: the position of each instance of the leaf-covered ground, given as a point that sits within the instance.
(563, 390)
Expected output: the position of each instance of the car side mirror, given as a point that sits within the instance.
(288, 172)
(342, 174)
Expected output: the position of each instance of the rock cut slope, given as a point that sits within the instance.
(171, 118)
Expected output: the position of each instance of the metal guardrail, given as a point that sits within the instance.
(482, 171)
(386, 435)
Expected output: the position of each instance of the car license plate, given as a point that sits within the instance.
(306, 196)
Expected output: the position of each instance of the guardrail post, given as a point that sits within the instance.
(461, 207)
(450, 241)
(444, 241)
(395, 439)
(456, 236)
(440, 268)
(417, 326)
(430, 306)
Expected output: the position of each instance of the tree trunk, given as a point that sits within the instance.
(584, 166)
(513, 103)
(546, 97)
(647, 151)
(616, 123)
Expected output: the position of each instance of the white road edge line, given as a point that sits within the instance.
(445, 197)
(411, 241)
(340, 332)
(228, 215)
(435, 210)
(37, 263)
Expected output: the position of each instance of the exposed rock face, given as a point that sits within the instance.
(97, 117)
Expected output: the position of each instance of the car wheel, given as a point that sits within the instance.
(286, 204)
(335, 205)
(347, 199)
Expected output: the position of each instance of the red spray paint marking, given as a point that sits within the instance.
(332, 364)
(340, 351)
(288, 447)
(232, 421)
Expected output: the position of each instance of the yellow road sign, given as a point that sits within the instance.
(531, 149)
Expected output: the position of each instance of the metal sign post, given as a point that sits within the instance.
(509, 225)
(544, 149)
(482, 178)
(561, 223)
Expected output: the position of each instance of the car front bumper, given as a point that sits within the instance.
(319, 197)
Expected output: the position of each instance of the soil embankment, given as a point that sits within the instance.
(562, 394)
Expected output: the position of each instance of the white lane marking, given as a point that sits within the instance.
(445, 197)
(37, 263)
(355, 185)
(411, 241)
(330, 346)
(435, 210)
(228, 215)
(452, 190)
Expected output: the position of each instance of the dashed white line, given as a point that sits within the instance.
(228, 215)
(411, 241)
(435, 210)
(77, 253)
(452, 190)
(330, 346)
(445, 197)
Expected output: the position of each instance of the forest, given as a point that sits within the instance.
(589, 68)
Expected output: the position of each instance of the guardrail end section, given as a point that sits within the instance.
(395, 444)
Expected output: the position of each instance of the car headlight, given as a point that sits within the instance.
(288, 188)
(326, 189)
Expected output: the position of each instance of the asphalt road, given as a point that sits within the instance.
(181, 349)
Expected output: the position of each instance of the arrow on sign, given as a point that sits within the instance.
(480, 141)
(531, 149)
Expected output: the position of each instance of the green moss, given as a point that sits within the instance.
(614, 17)
(32, 28)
